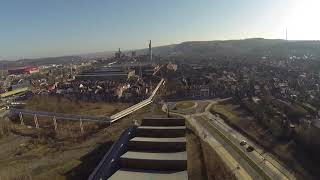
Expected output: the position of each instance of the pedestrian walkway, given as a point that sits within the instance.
(157, 152)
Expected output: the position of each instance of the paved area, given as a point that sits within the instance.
(271, 166)
(200, 107)
(155, 156)
(206, 124)
(150, 139)
(123, 174)
(240, 167)
(162, 127)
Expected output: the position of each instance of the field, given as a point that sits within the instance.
(64, 105)
(67, 131)
(227, 110)
(237, 116)
(30, 153)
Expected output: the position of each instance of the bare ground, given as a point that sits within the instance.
(28, 153)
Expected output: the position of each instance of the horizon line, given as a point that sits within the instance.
(139, 49)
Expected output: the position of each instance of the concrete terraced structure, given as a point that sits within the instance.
(158, 151)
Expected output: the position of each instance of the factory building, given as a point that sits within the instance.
(133, 54)
(118, 54)
(23, 70)
(103, 73)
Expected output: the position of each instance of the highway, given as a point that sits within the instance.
(265, 165)
(239, 166)
(270, 160)
(272, 167)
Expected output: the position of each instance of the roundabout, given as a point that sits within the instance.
(185, 105)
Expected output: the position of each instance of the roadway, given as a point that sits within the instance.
(199, 107)
(267, 162)
(215, 127)
(240, 168)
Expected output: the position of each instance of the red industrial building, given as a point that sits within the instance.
(23, 70)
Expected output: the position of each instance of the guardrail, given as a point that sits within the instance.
(110, 162)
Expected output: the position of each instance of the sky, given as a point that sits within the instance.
(42, 28)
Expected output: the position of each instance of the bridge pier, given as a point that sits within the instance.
(21, 118)
(55, 123)
(81, 126)
(36, 121)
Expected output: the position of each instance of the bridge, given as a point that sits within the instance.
(81, 118)
(138, 106)
(14, 92)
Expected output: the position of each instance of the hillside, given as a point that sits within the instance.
(42, 61)
(256, 47)
(249, 47)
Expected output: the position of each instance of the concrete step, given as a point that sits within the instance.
(154, 161)
(134, 174)
(161, 131)
(150, 144)
(163, 122)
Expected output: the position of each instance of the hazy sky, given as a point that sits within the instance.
(39, 28)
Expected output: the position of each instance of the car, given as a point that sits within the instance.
(242, 143)
(250, 149)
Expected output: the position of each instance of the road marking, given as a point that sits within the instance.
(268, 164)
(230, 161)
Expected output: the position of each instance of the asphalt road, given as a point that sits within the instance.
(200, 107)
(239, 166)
(267, 163)
(271, 166)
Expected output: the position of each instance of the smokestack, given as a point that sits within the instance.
(286, 34)
(150, 50)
